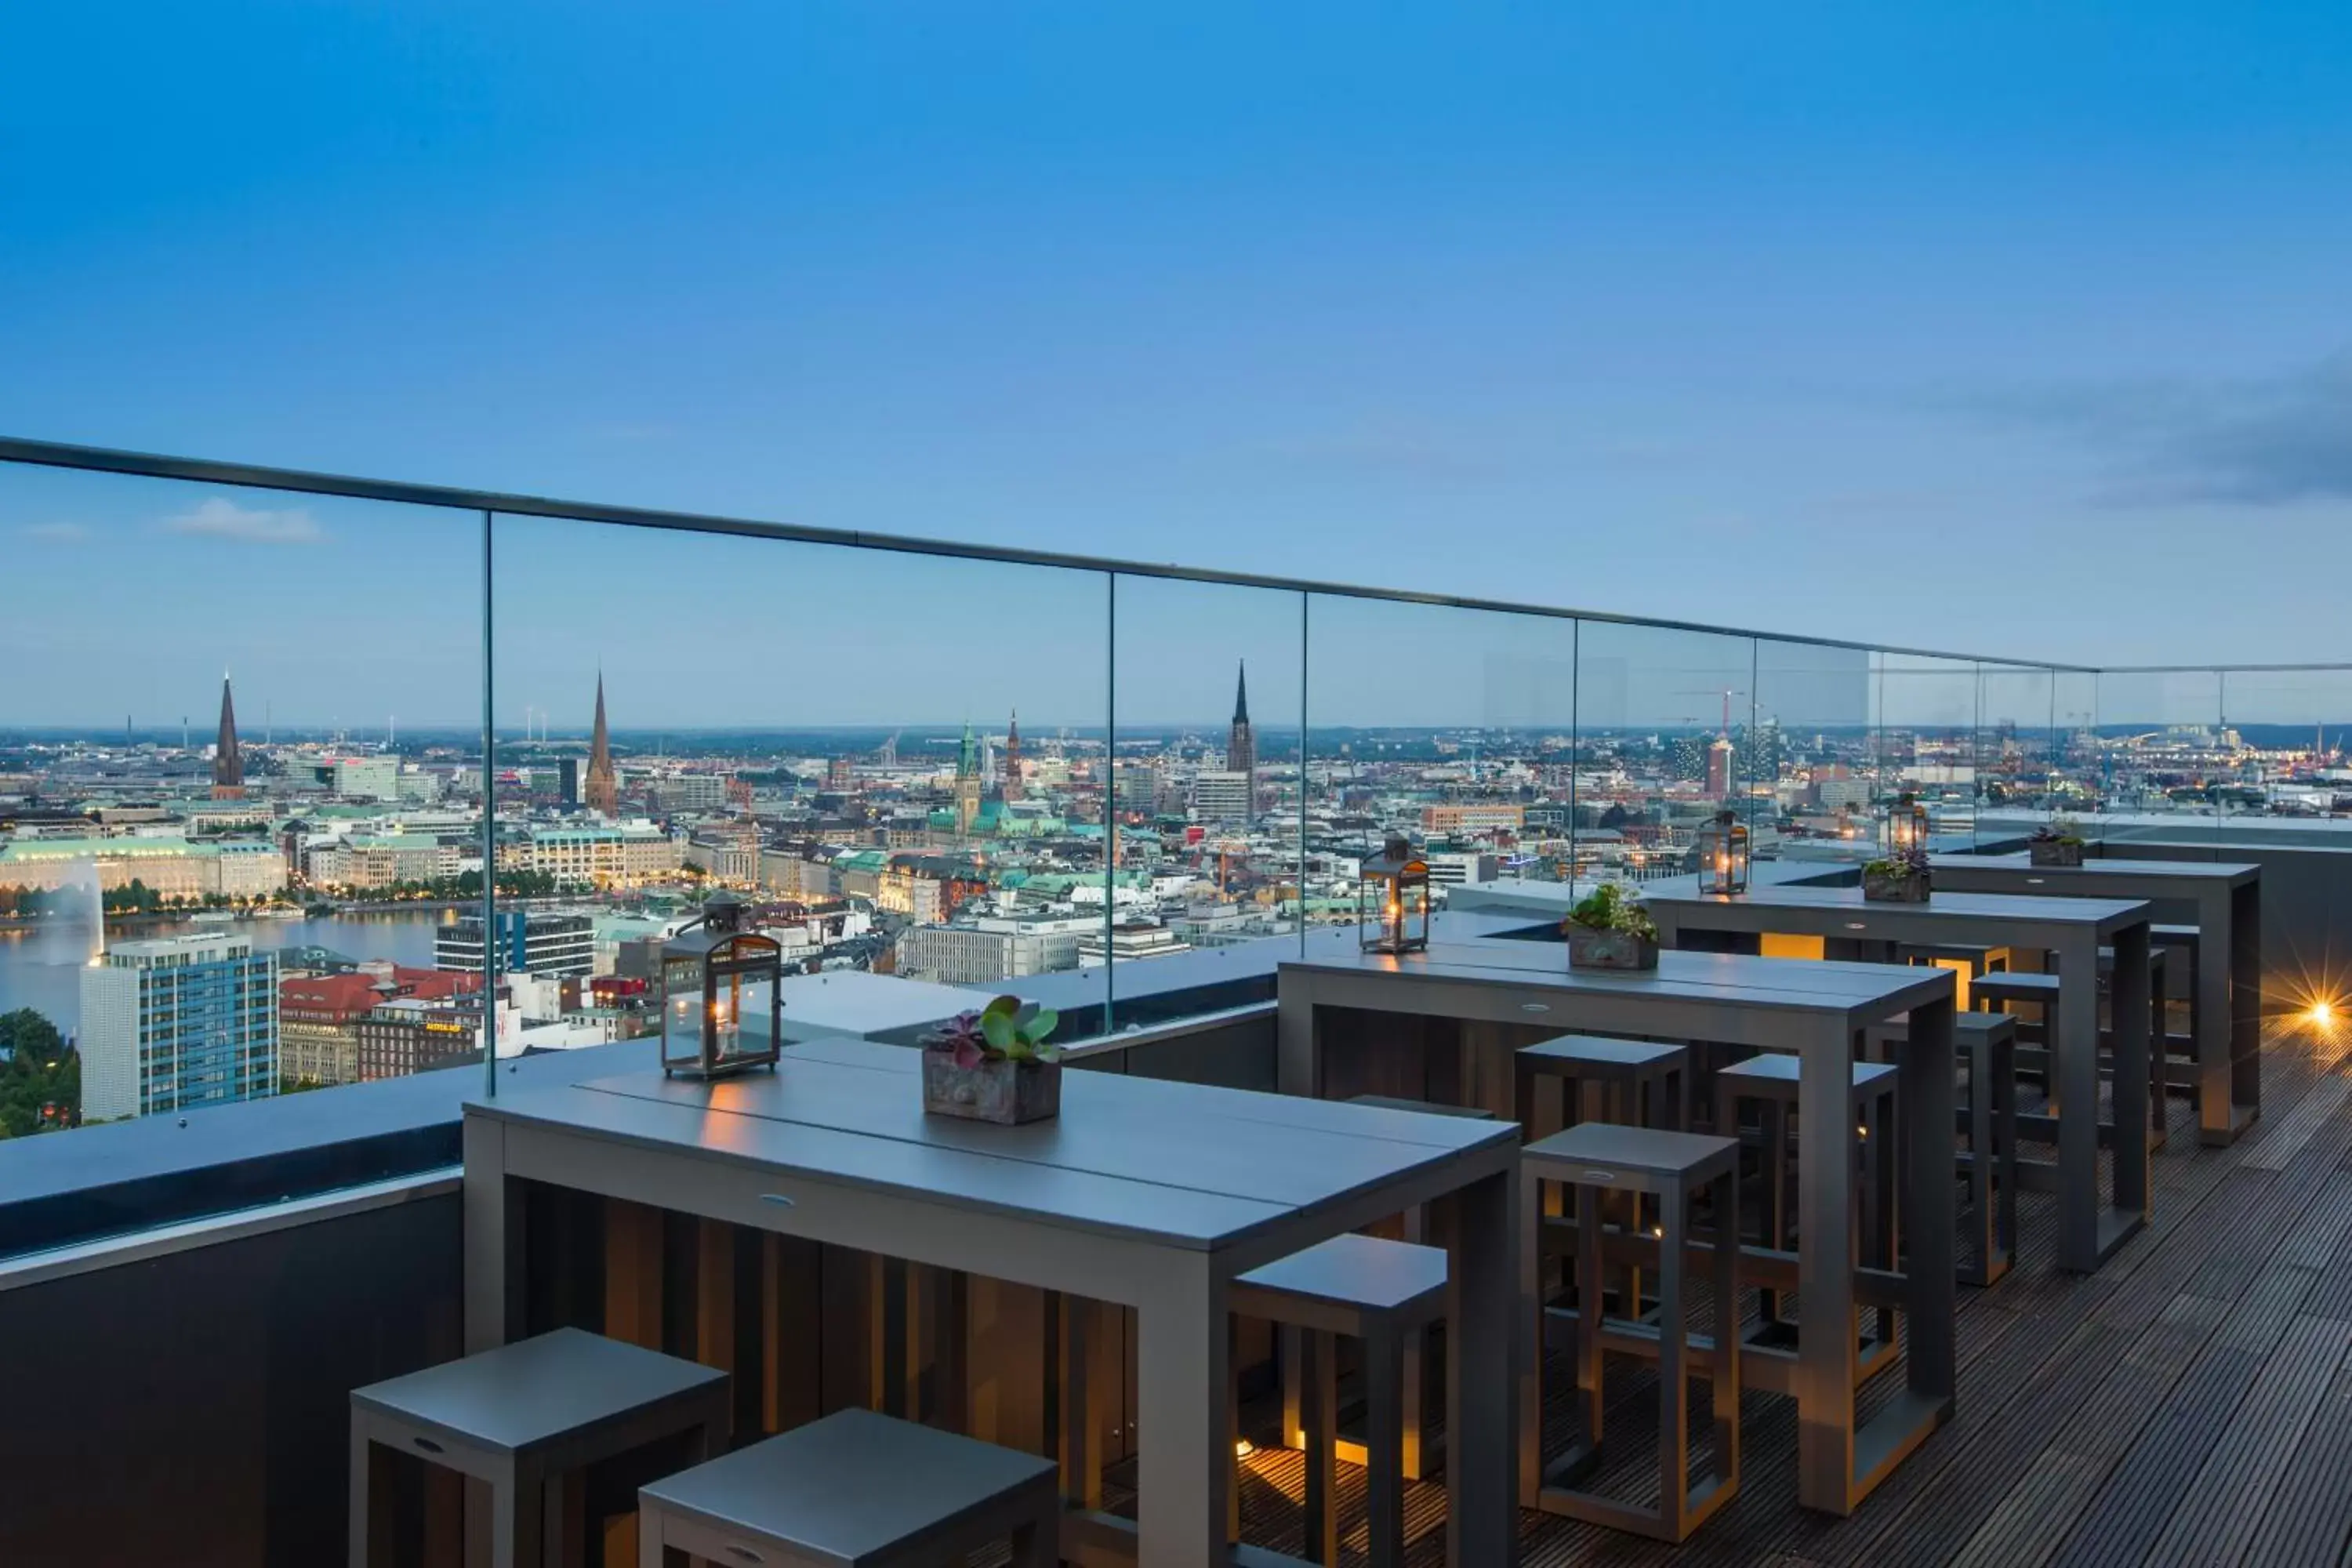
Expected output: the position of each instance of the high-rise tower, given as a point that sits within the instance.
(602, 789)
(228, 762)
(1011, 787)
(1241, 745)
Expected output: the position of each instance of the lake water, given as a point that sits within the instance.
(41, 968)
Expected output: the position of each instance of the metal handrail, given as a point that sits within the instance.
(251, 475)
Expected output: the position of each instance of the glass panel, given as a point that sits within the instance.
(2075, 706)
(1928, 737)
(237, 803)
(1809, 759)
(2160, 740)
(1205, 780)
(2015, 749)
(1664, 739)
(1452, 727)
(2287, 729)
(895, 760)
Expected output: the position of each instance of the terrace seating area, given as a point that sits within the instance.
(1697, 1195)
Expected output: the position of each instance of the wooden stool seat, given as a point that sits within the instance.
(856, 1489)
(1589, 1159)
(524, 1415)
(1382, 1293)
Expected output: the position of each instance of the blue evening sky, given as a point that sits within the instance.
(2022, 329)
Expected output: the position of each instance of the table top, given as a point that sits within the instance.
(1733, 979)
(1837, 911)
(1188, 1165)
(2102, 868)
(851, 1486)
(537, 1391)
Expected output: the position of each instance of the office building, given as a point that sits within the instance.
(1222, 796)
(1472, 817)
(542, 944)
(170, 1023)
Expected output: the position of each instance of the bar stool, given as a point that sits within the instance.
(856, 1489)
(523, 1416)
(2006, 992)
(1986, 1045)
(1635, 1083)
(1595, 1158)
(1423, 1436)
(1971, 960)
(2157, 1033)
(1382, 1293)
(1771, 1080)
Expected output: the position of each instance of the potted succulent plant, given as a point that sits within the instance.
(2058, 842)
(1900, 878)
(1609, 929)
(994, 1065)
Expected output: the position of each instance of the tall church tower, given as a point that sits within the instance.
(602, 789)
(1011, 787)
(228, 762)
(1241, 745)
(967, 786)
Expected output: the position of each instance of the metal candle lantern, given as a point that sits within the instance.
(1723, 855)
(1392, 900)
(722, 995)
(1907, 825)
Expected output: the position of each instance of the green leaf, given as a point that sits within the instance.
(997, 1029)
(1041, 1025)
(1002, 1006)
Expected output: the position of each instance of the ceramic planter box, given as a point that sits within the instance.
(2051, 852)
(1907, 888)
(1006, 1092)
(1590, 949)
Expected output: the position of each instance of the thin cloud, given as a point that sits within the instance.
(57, 532)
(219, 519)
(2277, 440)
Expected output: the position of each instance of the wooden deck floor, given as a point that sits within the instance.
(2190, 1404)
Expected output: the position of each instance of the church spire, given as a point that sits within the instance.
(603, 790)
(1241, 743)
(228, 760)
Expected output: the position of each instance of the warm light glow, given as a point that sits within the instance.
(2321, 1014)
(1243, 1448)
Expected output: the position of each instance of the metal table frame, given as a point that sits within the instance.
(1815, 1010)
(2228, 899)
(2089, 1231)
(1147, 1194)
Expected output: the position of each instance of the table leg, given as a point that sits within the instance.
(2241, 942)
(1297, 1071)
(361, 1519)
(515, 1518)
(1823, 1383)
(493, 1240)
(650, 1525)
(2074, 1073)
(2130, 1000)
(1490, 1363)
(1181, 1471)
(1931, 1353)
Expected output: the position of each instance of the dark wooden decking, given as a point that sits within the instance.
(2190, 1404)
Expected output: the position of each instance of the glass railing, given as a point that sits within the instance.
(1135, 787)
